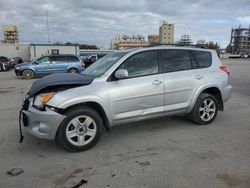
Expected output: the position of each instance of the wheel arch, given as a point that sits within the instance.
(96, 106)
(29, 69)
(72, 67)
(210, 89)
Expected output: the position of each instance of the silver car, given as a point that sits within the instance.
(126, 86)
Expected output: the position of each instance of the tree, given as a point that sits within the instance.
(212, 45)
(89, 47)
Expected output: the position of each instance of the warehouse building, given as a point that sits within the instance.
(38, 50)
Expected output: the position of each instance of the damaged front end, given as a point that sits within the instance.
(35, 115)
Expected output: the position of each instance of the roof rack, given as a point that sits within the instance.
(180, 45)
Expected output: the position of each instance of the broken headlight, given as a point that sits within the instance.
(42, 99)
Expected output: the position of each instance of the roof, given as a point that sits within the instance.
(54, 44)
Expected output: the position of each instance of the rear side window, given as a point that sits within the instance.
(175, 60)
(71, 59)
(203, 58)
(57, 58)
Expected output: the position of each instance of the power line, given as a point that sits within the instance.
(47, 20)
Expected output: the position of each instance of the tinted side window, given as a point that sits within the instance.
(57, 58)
(194, 63)
(204, 58)
(175, 60)
(141, 64)
(71, 59)
(43, 60)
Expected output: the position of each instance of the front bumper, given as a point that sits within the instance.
(42, 124)
(18, 72)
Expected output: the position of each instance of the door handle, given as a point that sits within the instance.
(156, 82)
(198, 77)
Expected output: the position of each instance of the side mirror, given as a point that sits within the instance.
(121, 74)
(35, 62)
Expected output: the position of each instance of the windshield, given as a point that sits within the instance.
(102, 65)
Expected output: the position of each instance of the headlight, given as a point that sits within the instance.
(43, 99)
(17, 68)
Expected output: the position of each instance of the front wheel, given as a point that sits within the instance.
(205, 109)
(80, 130)
(28, 74)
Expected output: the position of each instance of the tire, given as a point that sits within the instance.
(28, 74)
(73, 70)
(80, 130)
(205, 109)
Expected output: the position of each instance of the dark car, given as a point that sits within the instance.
(90, 59)
(4, 63)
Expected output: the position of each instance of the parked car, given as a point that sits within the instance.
(4, 63)
(92, 58)
(50, 64)
(19, 60)
(126, 86)
(13, 62)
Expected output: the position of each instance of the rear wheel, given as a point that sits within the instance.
(28, 74)
(73, 70)
(205, 109)
(80, 130)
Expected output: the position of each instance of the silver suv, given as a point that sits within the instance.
(126, 86)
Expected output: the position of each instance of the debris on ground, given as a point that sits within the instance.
(83, 181)
(144, 163)
(15, 171)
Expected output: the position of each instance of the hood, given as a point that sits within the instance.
(59, 81)
(24, 64)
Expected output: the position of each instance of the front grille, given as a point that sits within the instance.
(26, 104)
(25, 120)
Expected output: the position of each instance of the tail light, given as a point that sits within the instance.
(225, 69)
(82, 64)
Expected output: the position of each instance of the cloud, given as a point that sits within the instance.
(97, 21)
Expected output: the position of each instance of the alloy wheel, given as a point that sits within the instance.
(81, 130)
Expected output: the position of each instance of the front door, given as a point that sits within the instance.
(142, 93)
(43, 66)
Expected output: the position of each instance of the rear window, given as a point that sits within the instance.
(71, 59)
(203, 58)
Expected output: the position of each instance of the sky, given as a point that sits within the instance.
(97, 21)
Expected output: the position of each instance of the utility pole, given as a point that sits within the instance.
(47, 20)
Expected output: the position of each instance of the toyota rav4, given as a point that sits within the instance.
(126, 86)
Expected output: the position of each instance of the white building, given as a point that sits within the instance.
(127, 41)
(166, 33)
(185, 40)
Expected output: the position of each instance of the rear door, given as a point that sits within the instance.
(73, 62)
(59, 63)
(182, 78)
(142, 93)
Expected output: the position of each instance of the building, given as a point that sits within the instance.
(240, 41)
(166, 33)
(38, 50)
(120, 42)
(153, 39)
(15, 50)
(185, 40)
(10, 33)
(201, 42)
